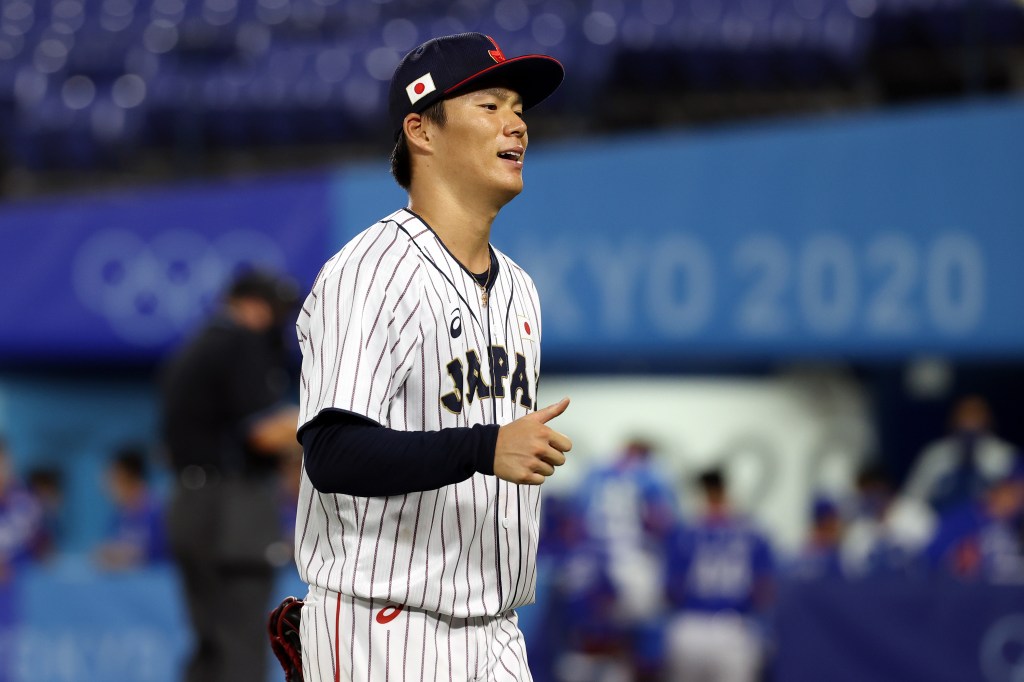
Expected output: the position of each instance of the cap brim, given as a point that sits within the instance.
(533, 76)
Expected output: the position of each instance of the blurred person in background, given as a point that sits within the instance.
(980, 540)
(885, 532)
(720, 577)
(21, 519)
(580, 639)
(226, 425)
(20, 526)
(282, 552)
(629, 507)
(820, 556)
(959, 467)
(136, 536)
(46, 484)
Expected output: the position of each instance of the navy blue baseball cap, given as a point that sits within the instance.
(451, 65)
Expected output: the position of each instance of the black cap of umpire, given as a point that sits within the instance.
(280, 291)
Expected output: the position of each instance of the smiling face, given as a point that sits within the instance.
(480, 149)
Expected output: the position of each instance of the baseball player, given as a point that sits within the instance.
(719, 579)
(424, 443)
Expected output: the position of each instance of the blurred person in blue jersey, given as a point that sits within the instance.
(980, 541)
(227, 422)
(958, 468)
(46, 484)
(885, 531)
(578, 638)
(21, 519)
(629, 507)
(720, 577)
(20, 526)
(820, 556)
(136, 536)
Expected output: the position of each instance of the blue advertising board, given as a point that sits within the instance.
(73, 623)
(899, 630)
(126, 275)
(879, 235)
(872, 236)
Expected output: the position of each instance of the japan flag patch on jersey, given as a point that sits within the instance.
(420, 88)
(526, 330)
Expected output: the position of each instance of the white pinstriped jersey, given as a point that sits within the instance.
(394, 329)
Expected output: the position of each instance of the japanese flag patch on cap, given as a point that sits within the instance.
(448, 66)
(420, 88)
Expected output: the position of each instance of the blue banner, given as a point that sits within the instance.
(871, 236)
(874, 236)
(127, 275)
(74, 623)
(900, 631)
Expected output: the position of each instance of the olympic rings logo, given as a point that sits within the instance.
(151, 290)
(1000, 653)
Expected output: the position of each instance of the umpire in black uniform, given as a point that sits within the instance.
(226, 423)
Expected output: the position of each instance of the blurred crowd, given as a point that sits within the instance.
(637, 585)
(639, 588)
(32, 513)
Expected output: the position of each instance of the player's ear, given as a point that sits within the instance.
(417, 131)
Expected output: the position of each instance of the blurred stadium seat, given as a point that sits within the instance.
(211, 74)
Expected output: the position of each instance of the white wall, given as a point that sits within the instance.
(780, 438)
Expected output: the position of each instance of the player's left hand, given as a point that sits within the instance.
(528, 450)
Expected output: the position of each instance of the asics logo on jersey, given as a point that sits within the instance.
(389, 613)
(468, 380)
(456, 324)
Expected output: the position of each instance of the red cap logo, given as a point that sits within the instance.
(496, 54)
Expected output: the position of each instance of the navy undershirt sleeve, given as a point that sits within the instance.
(347, 454)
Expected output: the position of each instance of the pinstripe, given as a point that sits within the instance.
(394, 347)
(458, 558)
(483, 597)
(423, 648)
(472, 541)
(519, 544)
(476, 649)
(437, 626)
(373, 574)
(444, 547)
(507, 544)
(394, 553)
(412, 547)
(448, 641)
(430, 533)
(465, 646)
(405, 647)
(369, 639)
(337, 320)
(358, 364)
(330, 542)
(337, 642)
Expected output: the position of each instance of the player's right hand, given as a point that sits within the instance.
(528, 450)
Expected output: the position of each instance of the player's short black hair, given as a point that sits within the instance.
(131, 459)
(44, 477)
(712, 481)
(401, 164)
